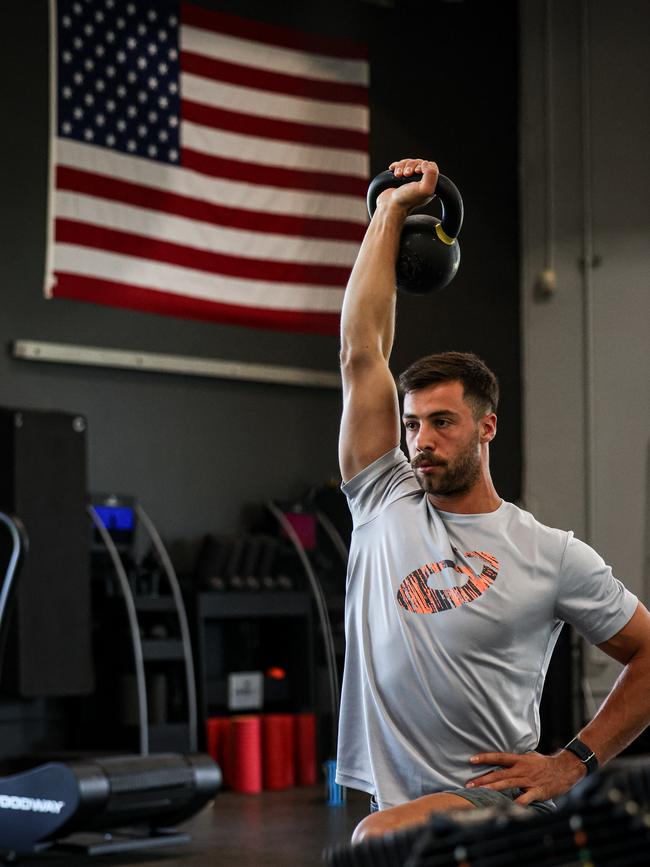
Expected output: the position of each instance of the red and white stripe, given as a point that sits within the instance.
(261, 223)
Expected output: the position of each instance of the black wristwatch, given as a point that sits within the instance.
(586, 756)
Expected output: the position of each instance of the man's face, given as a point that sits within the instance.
(443, 439)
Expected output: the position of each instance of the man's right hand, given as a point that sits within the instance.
(415, 194)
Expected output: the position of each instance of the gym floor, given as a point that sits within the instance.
(275, 829)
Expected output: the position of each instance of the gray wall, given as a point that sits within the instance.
(585, 193)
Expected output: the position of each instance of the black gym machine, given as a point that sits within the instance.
(63, 805)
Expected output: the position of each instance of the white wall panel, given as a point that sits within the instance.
(585, 88)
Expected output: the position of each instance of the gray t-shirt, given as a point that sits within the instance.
(451, 621)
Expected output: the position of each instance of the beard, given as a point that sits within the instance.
(457, 476)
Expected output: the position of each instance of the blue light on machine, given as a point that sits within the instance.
(116, 517)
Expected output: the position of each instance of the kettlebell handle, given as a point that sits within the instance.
(446, 191)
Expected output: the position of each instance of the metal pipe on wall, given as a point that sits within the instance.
(589, 425)
(587, 282)
(549, 192)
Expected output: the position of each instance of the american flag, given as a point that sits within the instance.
(205, 165)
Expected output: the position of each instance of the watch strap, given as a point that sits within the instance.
(586, 755)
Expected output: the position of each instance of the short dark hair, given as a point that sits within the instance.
(480, 385)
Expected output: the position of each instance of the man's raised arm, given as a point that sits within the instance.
(370, 421)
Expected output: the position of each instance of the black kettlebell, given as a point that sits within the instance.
(429, 252)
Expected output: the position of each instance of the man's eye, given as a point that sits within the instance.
(442, 422)
(410, 425)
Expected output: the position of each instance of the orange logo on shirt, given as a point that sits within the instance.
(415, 594)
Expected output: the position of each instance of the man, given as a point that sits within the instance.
(455, 598)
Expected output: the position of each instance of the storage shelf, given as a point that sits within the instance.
(162, 649)
(216, 693)
(154, 603)
(240, 630)
(164, 737)
(223, 606)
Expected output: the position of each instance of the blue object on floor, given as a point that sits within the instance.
(334, 794)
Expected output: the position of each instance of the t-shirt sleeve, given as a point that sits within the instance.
(590, 597)
(379, 484)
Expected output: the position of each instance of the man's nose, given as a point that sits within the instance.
(425, 439)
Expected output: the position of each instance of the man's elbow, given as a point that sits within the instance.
(361, 356)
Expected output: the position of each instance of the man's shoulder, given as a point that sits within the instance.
(383, 483)
(381, 472)
(517, 515)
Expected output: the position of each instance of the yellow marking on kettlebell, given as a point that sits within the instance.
(444, 237)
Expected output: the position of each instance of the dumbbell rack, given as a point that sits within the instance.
(224, 612)
(18, 546)
(140, 651)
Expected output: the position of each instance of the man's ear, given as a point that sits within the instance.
(488, 427)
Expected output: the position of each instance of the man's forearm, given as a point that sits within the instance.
(368, 314)
(624, 714)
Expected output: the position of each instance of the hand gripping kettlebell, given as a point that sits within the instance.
(429, 253)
